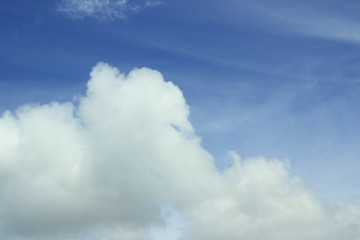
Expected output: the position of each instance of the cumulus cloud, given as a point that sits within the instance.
(103, 9)
(124, 162)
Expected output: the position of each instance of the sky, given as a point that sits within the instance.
(146, 119)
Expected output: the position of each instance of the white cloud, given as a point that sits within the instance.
(103, 9)
(125, 163)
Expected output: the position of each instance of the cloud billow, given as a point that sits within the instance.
(104, 168)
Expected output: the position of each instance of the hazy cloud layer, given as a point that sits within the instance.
(103, 9)
(125, 163)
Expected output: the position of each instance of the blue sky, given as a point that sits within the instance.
(276, 79)
(279, 79)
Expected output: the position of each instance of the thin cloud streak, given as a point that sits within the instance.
(103, 9)
(306, 18)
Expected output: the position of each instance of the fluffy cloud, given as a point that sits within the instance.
(103, 9)
(124, 162)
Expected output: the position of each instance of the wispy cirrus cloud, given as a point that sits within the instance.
(329, 20)
(103, 9)
(310, 19)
